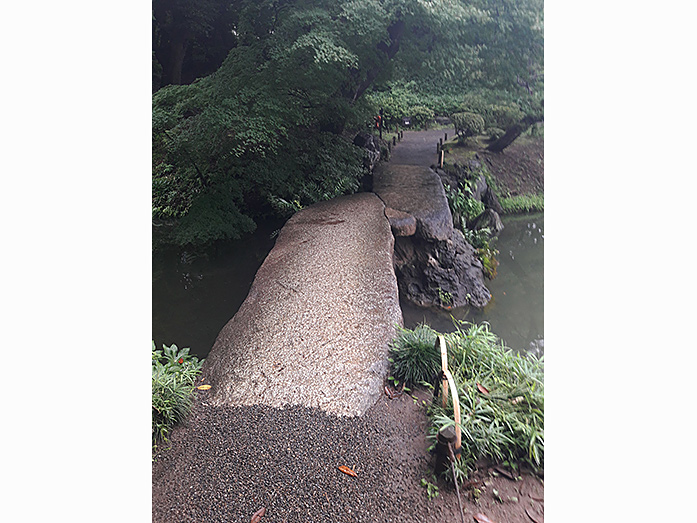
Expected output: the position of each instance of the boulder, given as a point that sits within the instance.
(402, 223)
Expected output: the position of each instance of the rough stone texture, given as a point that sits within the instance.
(402, 223)
(315, 327)
(451, 266)
(372, 146)
(416, 190)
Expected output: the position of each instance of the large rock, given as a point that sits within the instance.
(447, 273)
(315, 327)
(418, 191)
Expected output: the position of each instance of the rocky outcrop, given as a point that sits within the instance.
(434, 264)
(373, 147)
(316, 324)
(446, 273)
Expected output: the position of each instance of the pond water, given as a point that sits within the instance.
(194, 294)
(516, 310)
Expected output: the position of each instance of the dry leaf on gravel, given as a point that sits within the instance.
(346, 470)
(481, 518)
(203, 387)
(256, 517)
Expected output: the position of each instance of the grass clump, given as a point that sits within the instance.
(414, 355)
(503, 424)
(523, 203)
(174, 373)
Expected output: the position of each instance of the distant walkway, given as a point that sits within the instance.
(407, 184)
(418, 147)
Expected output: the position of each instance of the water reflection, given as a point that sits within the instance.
(516, 310)
(195, 293)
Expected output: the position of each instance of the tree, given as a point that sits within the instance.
(179, 25)
(273, 123)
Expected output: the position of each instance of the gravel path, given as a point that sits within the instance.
(228, 462)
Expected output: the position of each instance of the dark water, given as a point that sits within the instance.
(516, 311)
(194, 294)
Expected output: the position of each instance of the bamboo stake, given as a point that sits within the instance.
(456, 399)
(444, 367)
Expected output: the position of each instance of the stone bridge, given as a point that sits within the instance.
(316, 325)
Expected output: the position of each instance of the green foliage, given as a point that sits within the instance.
(174, 373)
(505, 424)
(502, 116)
(421, 115)
(413, 355)
(487, 255)
(467, 124)
(463, 207)
(478, 238)
(431, 488)
(523, 203)
(494, 133)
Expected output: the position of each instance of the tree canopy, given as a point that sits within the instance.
(271, 127)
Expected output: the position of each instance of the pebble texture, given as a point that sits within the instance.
(316, 324)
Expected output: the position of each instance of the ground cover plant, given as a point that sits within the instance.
(501, 393)
(174, 373)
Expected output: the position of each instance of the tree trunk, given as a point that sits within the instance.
(176, 60)
(513, 132)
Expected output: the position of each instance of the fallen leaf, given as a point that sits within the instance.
(256, 517)
(346, 470)
(203, 387)
(536, 520)
(481, 518)
(482, 388)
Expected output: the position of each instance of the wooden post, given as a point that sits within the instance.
(442, 158)
(437, 148)
(446, 137)
(446, 435)
(441, 143)
(394, 140)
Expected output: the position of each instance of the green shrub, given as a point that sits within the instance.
(494, 133)
(467, 124)
(502, 116)
(421, 115)
(463, 207)
(414, 356)
(174, 373)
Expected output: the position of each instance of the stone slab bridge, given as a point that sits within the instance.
(316, 325)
